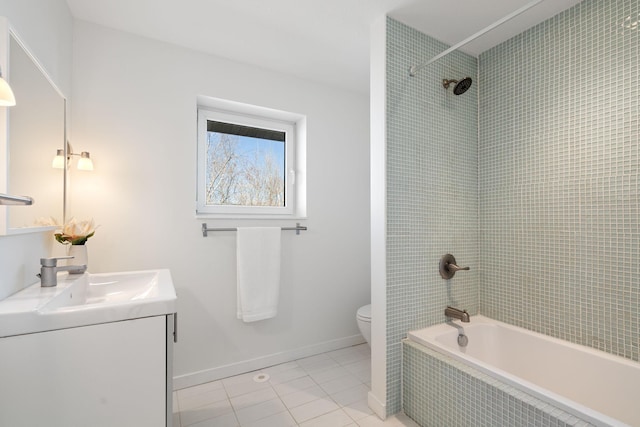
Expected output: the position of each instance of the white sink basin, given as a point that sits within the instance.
(88, 299)
(106, 289)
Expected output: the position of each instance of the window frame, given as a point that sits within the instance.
(258, 117)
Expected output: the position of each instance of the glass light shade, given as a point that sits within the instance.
(58, 161)
(84, 162)
(6, 94)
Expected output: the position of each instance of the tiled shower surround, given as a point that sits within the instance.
(559, 162)
(538, 191)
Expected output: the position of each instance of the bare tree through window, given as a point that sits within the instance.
(245, 170)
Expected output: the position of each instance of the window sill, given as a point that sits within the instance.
(260, 217)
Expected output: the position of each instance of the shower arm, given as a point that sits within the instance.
(415, 68)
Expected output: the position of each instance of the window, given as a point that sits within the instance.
(248, 161)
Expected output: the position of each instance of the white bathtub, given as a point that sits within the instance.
(592, 385)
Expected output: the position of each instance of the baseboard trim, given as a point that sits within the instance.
(378, 407)
(207, 375)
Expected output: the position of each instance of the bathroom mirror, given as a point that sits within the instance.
(34, 130)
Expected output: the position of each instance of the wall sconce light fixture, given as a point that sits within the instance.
(84, 162)
(6, 94)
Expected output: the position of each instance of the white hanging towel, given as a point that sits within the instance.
(258, 263)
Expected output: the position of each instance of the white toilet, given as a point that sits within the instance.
(364, 322)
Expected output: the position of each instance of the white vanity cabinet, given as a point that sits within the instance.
(109, 374)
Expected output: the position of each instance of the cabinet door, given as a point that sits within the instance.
(112, 374)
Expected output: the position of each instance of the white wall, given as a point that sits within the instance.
(378, 110)
(46, 27)
(135, 111)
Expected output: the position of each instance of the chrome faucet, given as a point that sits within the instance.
(49, 270)
(457, 314)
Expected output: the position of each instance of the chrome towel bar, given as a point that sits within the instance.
(298, 228)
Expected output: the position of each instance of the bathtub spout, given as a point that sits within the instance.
(457, 314)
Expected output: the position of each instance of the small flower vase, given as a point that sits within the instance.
(79, 254)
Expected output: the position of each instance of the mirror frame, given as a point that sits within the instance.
(6, 33)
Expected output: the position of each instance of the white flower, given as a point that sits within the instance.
(78, 228)
(76, 232)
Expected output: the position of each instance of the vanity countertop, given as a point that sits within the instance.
(88, 299)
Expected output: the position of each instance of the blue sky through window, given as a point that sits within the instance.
(260, 149)
(245, 170)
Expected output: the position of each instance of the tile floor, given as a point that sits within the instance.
(326, 390)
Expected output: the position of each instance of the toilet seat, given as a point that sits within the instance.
(364, 313)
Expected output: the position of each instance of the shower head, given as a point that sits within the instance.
(461, 86)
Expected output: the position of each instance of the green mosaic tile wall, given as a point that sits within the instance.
(558, 238)
(559, 167)
(440, 391)
(432, 201)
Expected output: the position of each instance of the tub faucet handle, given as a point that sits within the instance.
(448, 266)
(454, 267)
